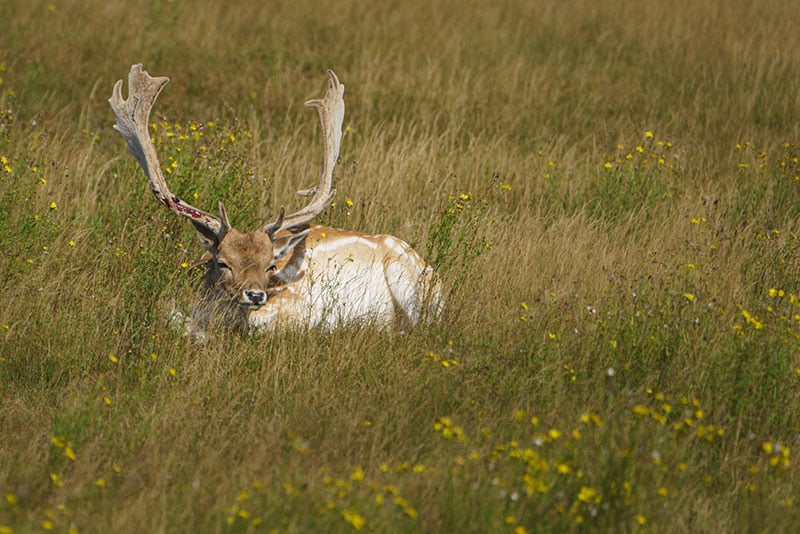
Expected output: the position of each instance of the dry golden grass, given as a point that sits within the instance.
(609, 190)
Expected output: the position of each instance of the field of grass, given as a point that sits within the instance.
(610, 192)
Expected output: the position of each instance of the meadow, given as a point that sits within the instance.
(610, 192)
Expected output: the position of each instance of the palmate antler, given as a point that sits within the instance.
(133, 116)
(331, 116)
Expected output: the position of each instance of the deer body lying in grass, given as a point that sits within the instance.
(289, 273)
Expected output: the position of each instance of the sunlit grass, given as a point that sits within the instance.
(610, 194)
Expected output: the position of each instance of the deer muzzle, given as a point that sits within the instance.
(253, 298)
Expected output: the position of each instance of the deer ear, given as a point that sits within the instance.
(284, 245)
(207, 237)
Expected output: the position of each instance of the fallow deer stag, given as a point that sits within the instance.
(289, 273)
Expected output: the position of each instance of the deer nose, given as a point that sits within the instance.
(256, 297)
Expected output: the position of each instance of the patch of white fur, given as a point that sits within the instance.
(342, 283)
(349, 280)
(340, 243)
(397, 246)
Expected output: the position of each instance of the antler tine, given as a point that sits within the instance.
(331, 116)
(133, 116)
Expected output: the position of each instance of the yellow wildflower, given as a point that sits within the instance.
(358, 474)
(587, 494)
(354, 518)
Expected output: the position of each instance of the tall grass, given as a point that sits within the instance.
(609, 190)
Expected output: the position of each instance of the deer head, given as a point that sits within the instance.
(241, 262)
